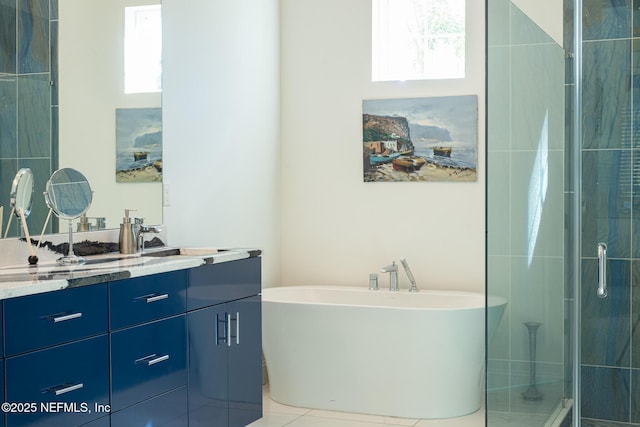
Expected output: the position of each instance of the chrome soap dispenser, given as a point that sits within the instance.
(127, 240)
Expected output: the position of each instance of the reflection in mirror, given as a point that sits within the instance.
(27, 116)
(61, 81)
(68, 194)
(21, 196)
(95, 78)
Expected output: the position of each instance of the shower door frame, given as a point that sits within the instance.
(576, 217)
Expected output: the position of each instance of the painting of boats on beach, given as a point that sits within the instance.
(139, 145)
(420, 139)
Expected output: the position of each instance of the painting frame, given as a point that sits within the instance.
(428, 139)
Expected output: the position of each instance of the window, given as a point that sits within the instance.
(418, 39)
(143, 49)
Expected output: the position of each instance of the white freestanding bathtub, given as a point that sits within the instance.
(401, 354)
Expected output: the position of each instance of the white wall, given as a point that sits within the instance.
(548, 14)
(234, 181)
(221, 125)
(91, 60)
(337, 229)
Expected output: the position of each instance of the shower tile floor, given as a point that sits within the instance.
(278, 415)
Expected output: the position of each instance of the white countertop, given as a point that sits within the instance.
(48, 276)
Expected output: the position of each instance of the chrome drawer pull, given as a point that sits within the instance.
(155, 298)
(62, 389)
(152, 359)
(228, 330)
(64, 318)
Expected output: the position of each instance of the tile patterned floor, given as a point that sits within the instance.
(278, 415)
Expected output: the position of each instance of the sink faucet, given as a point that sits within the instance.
(141, 230)
(393, 275)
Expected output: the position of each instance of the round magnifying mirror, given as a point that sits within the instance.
(21, 196)
(68, 194)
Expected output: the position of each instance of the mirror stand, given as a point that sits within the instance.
(71, 258)
(69, 196)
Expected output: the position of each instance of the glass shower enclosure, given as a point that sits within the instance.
(563, 163)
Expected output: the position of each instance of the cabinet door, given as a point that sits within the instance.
(43, 320)
(208, 356)
(65, 383)
(166, 410)
(147, 360)
(219, 283)
(147, 298)
(100, 422)
(2, 417)
(245, 362)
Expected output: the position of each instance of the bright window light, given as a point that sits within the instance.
(143, 49)
(418, 39)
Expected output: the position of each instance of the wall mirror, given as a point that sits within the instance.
(63, 89)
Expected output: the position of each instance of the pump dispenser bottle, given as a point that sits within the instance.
(127, 238)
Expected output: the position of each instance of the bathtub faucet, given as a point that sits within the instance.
(393, 275)
(414, 286)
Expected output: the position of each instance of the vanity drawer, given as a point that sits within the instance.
(42, 320)
(74, 374)
(218, 283)
(147, 360)
(167, 410)
(147, 298)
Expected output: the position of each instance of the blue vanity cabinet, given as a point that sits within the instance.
(175, 349)
(225, 359)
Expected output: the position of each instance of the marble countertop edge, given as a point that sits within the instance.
(18, 281)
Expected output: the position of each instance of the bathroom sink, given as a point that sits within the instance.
(184, 251)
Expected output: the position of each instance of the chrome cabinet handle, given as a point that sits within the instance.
(62, 389)
(224, 323)
(63, 318)
(602, 270)
(152, 359)
(153, 298)
(237, 327)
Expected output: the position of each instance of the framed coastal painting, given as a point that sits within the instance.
(138, 145)
(420, 139)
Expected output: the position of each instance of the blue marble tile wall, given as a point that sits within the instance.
(610, 150)
(28, 100)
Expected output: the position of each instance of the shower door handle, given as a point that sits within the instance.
(602, 270)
